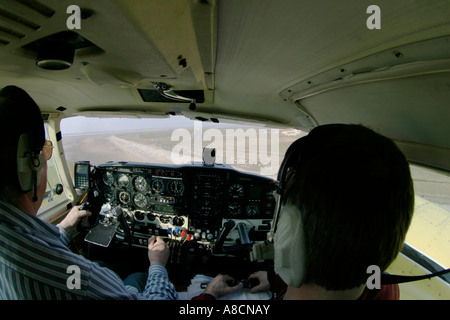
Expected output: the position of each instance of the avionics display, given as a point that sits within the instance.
(163, 208)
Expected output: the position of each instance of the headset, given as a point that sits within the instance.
(291, 157)
(289, 256)
(29, 165)
(19, 108)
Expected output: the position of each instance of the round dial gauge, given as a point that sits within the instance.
(176, 187)
(158, 185)
(140, 200)
(234, 209)
(124, 197)
(236, 191)
(252, 209)
(108, 178)
(140, 183)
(123, 181)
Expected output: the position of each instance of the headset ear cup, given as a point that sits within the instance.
(289, 238)
(289, 247)
(29, 165)
(29, 170)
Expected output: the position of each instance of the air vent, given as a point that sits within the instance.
(5, 14)
(11, 14)
(155, 96)
(38, 7)
(11, 33)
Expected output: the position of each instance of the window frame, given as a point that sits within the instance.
(55, 210)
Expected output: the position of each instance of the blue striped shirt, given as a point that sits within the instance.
(35, 263)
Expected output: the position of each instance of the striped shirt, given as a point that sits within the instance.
(35, 263)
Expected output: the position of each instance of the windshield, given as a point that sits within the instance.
(255, 149)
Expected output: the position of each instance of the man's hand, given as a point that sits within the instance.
(72, 219)
(263, 285)
(158, 251)
(218, 286)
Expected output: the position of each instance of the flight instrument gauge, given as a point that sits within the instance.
(252, 209)
(236, 191)
(140, 183)
(234, 209)
(124, 197)
(108, 178)
(140, 200)
(123, 181)
(158, 185)
(175, 187)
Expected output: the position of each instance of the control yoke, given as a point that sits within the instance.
(235, 249)
(218, 248)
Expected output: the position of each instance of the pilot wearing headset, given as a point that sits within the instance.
(346, 201)
(34, 257)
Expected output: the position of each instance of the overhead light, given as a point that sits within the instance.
(55, 56)
(57, 51)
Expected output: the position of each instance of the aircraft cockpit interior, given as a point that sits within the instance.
(211, 215)
(171, 119)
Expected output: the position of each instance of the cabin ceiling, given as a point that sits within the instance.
(296, 63)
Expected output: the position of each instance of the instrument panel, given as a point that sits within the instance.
(192, 200)
(142, 188)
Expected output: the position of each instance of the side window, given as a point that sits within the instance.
(54, 193)
(430, 227)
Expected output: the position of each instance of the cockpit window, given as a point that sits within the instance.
(429, 231)
(253, 149)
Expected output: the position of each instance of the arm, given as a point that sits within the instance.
(158, 285)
